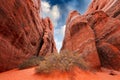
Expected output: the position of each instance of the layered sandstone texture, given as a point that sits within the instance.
(96, 34)
(23, 33)
(107, 35)
(80, 38)
(111, 7)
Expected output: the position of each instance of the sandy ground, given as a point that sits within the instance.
(29, 74)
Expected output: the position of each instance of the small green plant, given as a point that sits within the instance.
(64, 61)
(31, 62)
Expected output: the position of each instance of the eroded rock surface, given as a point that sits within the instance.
(80, 38)
(107, 36)
(22, 32)
(111, 7)
(99, 28)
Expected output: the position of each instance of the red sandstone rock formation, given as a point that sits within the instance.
(80, 38)
(111, 7)
(101, 23)
(23, 33)
(107, 35)
(48, 45)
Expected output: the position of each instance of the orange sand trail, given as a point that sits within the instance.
(29, 74)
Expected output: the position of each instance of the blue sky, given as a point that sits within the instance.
(58, 10)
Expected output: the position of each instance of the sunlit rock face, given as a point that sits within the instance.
(95, 34)
(80, 38)
(106, 30)
(111, 7)
(23, 33)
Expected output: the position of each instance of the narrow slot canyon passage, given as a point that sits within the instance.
(58, 12)
(60, 39)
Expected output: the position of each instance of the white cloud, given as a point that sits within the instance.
(63, 30)
(45, 7)
(58, 44)
(59, 32)
(55, 12)
(50, 11)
